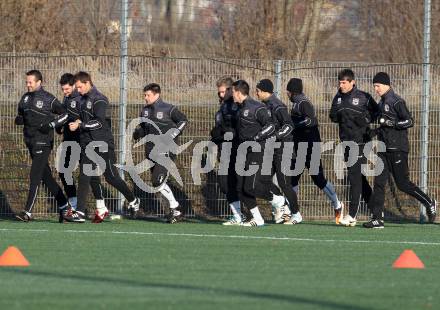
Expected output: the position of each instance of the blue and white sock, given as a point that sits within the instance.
(257, 215)
(73, 202)
(236, 210)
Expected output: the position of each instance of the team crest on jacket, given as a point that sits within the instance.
(339, 100)
(26, 99)
(246, 113)
(234, 107)
(89, 104)
(355, 101)
(146, 113)
(387, 108)
(159, 115)
(73, 104)
(39, 104)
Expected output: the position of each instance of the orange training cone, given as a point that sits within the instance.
(13, 257)
(408, 259)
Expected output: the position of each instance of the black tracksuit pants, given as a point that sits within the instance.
(257, 185)
(285, 182)
(228, 183)
(111, 175)
(40, 171)
(70, 189)
(359, 186)
(395, 163)
(319, 179)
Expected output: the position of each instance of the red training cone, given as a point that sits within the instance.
(13, 257)
(408, 259)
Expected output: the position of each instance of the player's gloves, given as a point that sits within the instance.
(19, 120)
(46, 128)
(59, 130)
(386, 122)
(138, 133)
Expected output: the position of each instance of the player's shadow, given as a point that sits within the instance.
(399, 217)
(295, 300)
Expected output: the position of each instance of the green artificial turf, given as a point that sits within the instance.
(151, 265)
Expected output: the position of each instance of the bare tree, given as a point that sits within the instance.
(57, 26)
(273, 29)
(30, 25)
(93, 23)
(374, 30)
(394, 30)
(308, 35)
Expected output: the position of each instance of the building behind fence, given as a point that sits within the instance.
(190, 84)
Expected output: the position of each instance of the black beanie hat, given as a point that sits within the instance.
(382, 78)
(295, 86)
(265, 85)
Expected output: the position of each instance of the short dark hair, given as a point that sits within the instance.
(37, 74)
(346, 74)
(242, 86)
(225, 81)
(153, 87)
(83, 77)
(67, 78)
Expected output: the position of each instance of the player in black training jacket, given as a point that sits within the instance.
(395, 119)
(226, 120)
(95, 131)
(72, 104)
(39, 112)
(306, 130)
(254, 124)
(283, 133)
(353, 110)
(169, 120)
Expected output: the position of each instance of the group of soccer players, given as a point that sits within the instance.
(246, 119)
(83, 120)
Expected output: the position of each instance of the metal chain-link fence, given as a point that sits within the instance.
(190, 84)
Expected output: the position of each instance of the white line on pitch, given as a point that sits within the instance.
(221, 236)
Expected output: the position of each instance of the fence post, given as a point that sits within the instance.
(123, 91)
(425, 101)
(277, 86)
